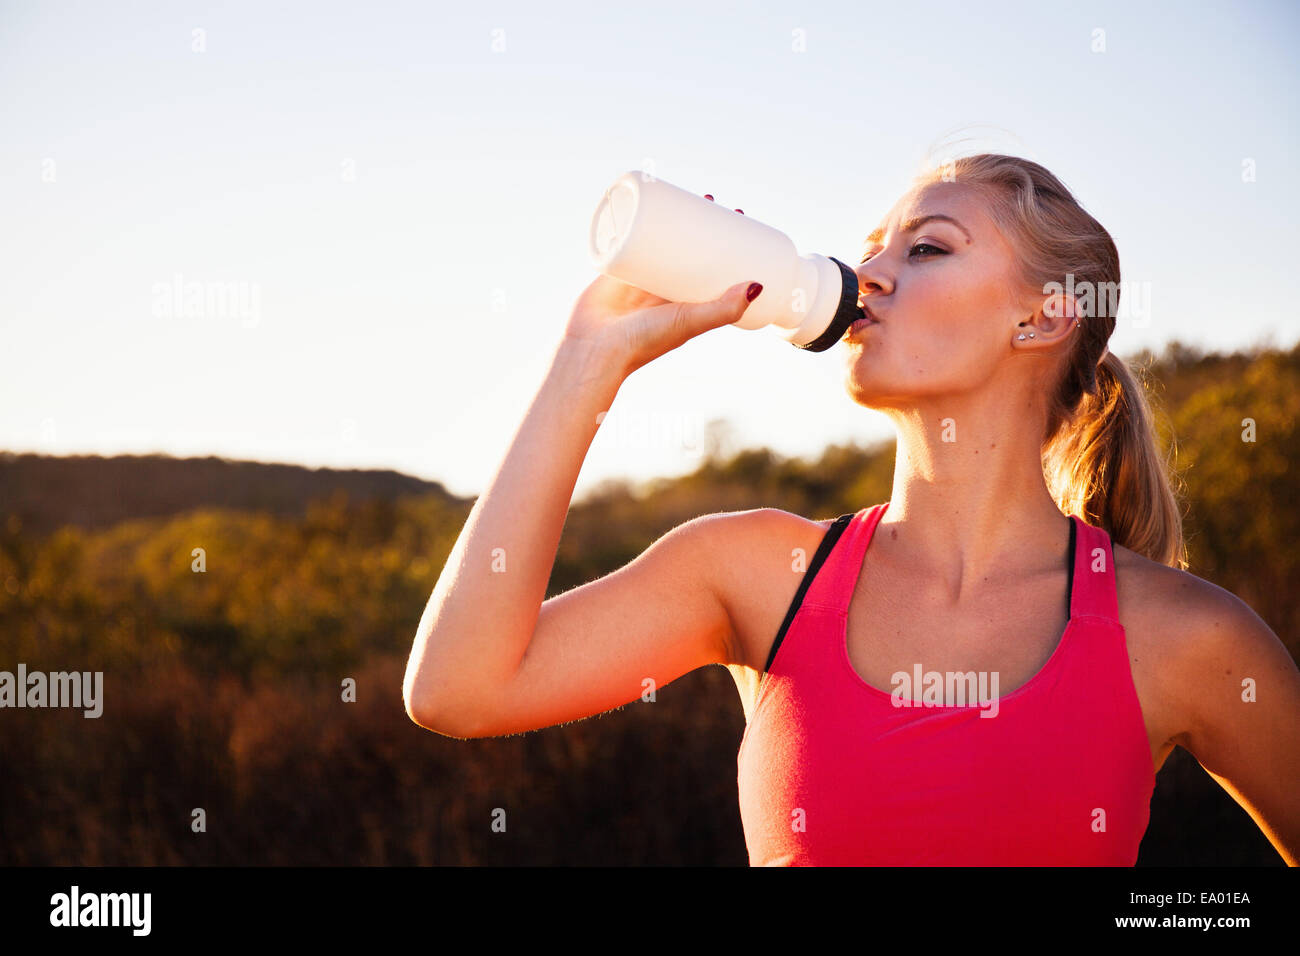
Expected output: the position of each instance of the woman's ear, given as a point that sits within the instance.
(1055, 319)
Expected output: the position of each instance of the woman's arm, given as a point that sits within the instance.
(1241, 699)
(653, 618)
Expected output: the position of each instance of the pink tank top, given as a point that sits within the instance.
(832, 773)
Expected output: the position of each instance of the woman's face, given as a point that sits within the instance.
(945, 298)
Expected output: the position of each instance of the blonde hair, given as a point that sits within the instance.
(1101, 460)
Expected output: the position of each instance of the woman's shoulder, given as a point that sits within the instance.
(1196, 648)
(764, 527)
(1158, 603)
(758, 557)
(1183, 602)
(1184, 625)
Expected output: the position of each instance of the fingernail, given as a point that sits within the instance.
(752, 292)
(708, 197)
(741, 211)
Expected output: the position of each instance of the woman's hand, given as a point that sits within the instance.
(632, 327)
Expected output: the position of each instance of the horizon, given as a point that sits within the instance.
(870, 446)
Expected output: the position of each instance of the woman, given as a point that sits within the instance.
(988, 668)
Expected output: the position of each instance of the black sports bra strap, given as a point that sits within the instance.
(1069, 563)
(824, 549)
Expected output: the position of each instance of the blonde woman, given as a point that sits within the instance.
(988, 668)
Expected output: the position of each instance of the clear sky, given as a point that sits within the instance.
(386, 204)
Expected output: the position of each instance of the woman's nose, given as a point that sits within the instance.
(871, 278)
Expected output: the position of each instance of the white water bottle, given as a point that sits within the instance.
(685, 248)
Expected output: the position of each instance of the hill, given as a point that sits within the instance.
(91, 491)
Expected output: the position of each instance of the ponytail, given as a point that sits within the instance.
(1102, 464)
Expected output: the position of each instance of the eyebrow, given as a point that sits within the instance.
(879, 233)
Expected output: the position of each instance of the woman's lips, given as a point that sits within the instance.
(865, 322)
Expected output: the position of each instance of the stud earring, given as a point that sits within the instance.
(1021, 336)
(1031, 335)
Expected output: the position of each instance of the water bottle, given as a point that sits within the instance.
(682, 247)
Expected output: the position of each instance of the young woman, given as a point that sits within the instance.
(989, 667)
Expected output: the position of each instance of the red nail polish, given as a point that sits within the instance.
(754, 289)
(708, 197)
(741, 211)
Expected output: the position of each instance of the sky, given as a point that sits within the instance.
(385, 206)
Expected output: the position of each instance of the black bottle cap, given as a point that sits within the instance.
(846, 313)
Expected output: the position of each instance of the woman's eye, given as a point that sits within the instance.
(913, 252)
